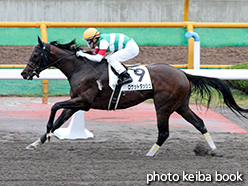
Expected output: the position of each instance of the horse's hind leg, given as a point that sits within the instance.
(163, 132)
(196, 121)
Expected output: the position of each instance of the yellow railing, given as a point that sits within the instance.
(176, 66)
(189, 25)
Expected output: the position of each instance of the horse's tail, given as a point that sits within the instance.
(201, 85)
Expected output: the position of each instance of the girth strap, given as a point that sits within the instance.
(115, 97)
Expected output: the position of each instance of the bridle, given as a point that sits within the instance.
(44, 60)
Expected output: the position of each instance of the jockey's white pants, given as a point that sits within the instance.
(130, 51)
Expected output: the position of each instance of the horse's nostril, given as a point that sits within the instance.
(24, 75)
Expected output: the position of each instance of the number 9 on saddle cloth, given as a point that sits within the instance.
(141, 81)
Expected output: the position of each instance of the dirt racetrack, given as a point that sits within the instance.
(148, 54)
(116, 155)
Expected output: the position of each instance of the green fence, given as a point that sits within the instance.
(33, 88)
(210, 37)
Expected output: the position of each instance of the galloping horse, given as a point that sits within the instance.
(90, 89)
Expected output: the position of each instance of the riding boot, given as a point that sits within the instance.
(124, 78)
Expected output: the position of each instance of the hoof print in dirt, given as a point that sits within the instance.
(201, 150)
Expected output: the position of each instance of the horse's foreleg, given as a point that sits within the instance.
(163, 133)
(73, 105)
(65, 115)
(34, 145)
(43, 139)
(54, 109)
(48, 135)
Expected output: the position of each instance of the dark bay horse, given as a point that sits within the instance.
(89, 89)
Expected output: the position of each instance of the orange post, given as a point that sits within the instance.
(186, 11)
(43, 30)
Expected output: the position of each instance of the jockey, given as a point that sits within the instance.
(120, 46)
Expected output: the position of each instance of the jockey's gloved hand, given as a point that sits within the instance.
(80, 53)
(76, 48)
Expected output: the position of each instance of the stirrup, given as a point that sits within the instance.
(121, 82)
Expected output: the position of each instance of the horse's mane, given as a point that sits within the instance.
(71, 46)
(67, 46)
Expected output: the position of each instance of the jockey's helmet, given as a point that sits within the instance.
(91, 33)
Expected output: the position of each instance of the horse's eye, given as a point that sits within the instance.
(36, 56)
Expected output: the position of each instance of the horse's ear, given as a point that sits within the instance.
(40, 42)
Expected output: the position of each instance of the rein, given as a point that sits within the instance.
(57, 61)
(91, 66)
(85, 61)
(77, 70)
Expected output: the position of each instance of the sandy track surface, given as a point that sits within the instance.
(115, 156)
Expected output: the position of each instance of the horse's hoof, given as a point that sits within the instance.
(216, 153)
(31, 147)
(213, 153)
(50, 136)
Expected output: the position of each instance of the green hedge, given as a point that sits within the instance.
(239, 84)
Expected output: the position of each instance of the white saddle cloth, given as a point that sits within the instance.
(140, 75)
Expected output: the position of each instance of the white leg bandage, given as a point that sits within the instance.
(209, 141)
(153, 150)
